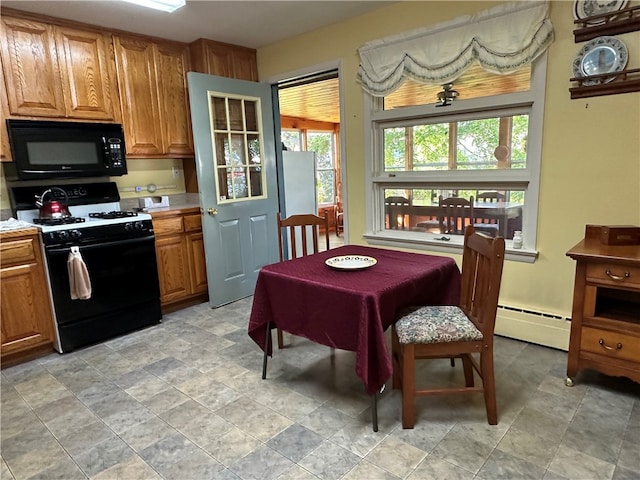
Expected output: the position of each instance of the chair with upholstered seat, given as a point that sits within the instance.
(302, 233)
(462, 331)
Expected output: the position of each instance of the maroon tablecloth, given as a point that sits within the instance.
(350, 310)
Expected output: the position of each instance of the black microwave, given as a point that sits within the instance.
(47, 149)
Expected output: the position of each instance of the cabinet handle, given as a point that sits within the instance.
(607, 347)
(617, 277)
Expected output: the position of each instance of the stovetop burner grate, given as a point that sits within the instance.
(58, 221)
(114, 214)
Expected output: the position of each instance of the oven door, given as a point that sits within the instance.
(123, 274)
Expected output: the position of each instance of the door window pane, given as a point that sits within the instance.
(238, 144)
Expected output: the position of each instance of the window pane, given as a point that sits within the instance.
(320, 142)
(251, 115)
(495, 211)
(481, 144)
(292, 139)
(325, 186)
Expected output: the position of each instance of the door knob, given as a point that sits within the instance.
(212, 211)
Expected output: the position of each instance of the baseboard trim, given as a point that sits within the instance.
(532, 326)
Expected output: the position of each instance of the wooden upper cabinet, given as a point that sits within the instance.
(211, 57)
(216, 58)
(32, 74)
(54, 71)
(87, 75)
(245, 64)
(173, 65)
(153, 92)
(5, 150)
(138, 82)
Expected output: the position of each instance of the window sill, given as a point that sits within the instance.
(430, 242)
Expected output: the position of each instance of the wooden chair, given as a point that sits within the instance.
(302, 232)
(396, 207)
(488, 225)
(490, 197)
(454, 331)
(457, 214)
(339, 218)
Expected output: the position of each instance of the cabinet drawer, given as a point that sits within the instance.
(610, 344)
(614, 274)
(167, 226)
(192, 223)
(18, 251)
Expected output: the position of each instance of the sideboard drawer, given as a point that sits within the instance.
(610, 344)
(614, 274)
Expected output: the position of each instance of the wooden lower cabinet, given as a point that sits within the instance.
(26, 313)
(181, 261)
(605, 321)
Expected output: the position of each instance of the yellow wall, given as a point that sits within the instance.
(159, 172)
(590, 155)
(140, 173)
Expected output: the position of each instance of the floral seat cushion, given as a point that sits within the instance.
(435, 325)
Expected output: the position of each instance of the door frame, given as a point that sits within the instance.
(302, 72)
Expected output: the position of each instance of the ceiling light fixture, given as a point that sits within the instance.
(447, 95)
(164, 5)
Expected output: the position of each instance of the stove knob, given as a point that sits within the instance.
(128, 227)
(76, 234)
(63, 235)
(139, 226)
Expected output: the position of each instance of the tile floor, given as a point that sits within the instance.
(184, 400)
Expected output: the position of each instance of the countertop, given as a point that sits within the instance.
(181, 203)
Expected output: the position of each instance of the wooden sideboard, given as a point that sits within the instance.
(605, 323)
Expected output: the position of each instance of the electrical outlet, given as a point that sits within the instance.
(175, 172)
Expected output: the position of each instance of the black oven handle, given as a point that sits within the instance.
(130, 241)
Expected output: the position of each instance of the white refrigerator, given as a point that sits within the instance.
(299, 179)
(299, 173)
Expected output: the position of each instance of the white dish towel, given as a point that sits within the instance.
(79, 281)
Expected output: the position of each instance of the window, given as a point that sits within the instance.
(324, 145)
(485, 146)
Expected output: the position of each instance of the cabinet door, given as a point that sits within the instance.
(195, 245)
(173, 268)
(85, 66)
(211, 57)
(5, 150)
(30, 62)
(26, 311)
(245, 64)
(138, 82)
(173, 63)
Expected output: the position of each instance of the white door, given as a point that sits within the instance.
(236, 167)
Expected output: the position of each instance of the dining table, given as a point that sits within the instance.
(351, 304)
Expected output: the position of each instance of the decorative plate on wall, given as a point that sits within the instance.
(599, 56)
(586, 8)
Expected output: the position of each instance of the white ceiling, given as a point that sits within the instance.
(251, 24)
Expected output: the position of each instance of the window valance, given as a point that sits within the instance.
(501, 39)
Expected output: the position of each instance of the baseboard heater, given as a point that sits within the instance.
(542, 328)
(533, 312)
